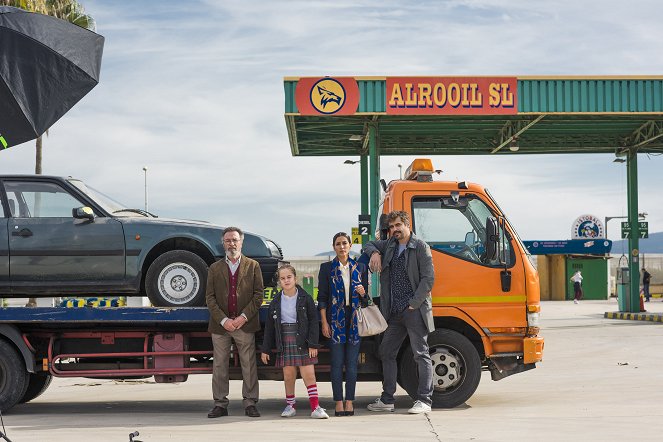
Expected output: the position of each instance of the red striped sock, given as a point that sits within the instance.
(313, 396)
(290, 400)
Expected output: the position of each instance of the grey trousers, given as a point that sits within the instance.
(411, 324)
(246, 346)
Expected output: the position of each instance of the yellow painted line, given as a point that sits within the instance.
(477, 299)
(655, 317)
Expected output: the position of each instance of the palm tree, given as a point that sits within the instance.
(68, 10)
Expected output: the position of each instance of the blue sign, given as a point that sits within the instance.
(569, 247)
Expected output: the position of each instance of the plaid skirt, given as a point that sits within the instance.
(291, 355)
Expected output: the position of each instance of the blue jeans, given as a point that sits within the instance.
(347, 354)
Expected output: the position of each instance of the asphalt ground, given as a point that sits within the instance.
(601, 379)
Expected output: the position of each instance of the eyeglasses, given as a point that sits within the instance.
(232, 241)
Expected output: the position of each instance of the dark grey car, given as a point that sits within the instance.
(60, 237)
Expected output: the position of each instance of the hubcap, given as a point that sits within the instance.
(447, 369)
(178, 283)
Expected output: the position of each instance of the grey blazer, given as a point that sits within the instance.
(420, 272)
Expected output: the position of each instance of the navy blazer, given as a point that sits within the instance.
(325, 286)
(308, 325)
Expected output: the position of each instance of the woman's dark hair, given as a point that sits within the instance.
(339, 234)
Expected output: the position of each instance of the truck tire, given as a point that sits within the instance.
(37, 384)
(13, 376)
(177, 278)
(456, 369)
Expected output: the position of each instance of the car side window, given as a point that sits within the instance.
(31, 199)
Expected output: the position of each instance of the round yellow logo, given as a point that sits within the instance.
(327, 96)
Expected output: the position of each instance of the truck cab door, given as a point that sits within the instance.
(49, 247)
(455, 229)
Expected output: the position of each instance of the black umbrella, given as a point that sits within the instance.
(46, 66)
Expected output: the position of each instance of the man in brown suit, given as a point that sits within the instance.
(234, 295)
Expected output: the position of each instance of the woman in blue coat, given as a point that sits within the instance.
(342, 288)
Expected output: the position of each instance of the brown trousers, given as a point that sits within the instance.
(246, 347)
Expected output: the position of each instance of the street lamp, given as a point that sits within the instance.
(400, 171)
(145, 170)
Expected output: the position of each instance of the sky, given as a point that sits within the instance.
(193, 91)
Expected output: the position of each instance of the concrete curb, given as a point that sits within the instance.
(651, 317)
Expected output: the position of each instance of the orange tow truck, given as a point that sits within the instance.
(486, 300)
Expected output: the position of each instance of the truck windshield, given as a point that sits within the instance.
(457, 227)
(106, 202)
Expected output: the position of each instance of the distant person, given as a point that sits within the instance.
(406, 281)
(342, 288)
(646, 279)
(577, 286)
(292, 329)
(234, 295)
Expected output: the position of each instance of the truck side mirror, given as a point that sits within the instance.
(83, 213)
(492, 239)
(384, 226)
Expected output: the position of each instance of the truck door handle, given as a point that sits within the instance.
(23, 232)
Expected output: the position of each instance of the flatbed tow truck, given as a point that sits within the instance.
(112, 343)
(485, 304)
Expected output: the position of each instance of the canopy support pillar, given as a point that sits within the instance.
(634, 236)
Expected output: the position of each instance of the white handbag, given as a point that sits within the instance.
(370, 320)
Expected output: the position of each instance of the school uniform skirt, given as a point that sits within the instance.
(291, 355)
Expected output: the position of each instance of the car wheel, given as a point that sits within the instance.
(37, 384)
(177, 279)
(13, 376)
(456, 369)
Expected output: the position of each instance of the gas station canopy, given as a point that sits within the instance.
(474, 115)
(375, 116)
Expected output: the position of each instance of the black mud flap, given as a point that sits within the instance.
(503, 367)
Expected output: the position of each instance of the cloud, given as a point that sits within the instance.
(194, 91)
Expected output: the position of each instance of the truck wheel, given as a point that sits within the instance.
(37, 384)
(177, 279)
(456, 369)
(13, 376)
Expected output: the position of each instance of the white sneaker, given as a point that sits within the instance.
(378, 405)
(289, 411)
(575, 301)
(319, 413)
(419, 407)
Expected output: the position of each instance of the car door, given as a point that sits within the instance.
(49, 248)
(4, 252)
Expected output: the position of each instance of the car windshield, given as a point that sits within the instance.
(106, 202)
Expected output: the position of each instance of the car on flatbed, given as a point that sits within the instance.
(60, 236)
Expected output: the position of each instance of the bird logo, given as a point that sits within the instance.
(327, 96)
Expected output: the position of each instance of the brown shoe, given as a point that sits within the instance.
(217, 412)
(252, 411)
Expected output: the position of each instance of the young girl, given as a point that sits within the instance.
(292, 329)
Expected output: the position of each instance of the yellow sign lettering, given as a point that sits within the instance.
(494, 94)
(410, 97)
(476, 100)
(396, 99)
(439, 94)
(454, 94)
(507, 96)
(424, 95)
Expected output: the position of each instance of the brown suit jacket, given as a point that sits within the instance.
(249, 294)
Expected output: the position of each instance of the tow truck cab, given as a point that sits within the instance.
(486, 299)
